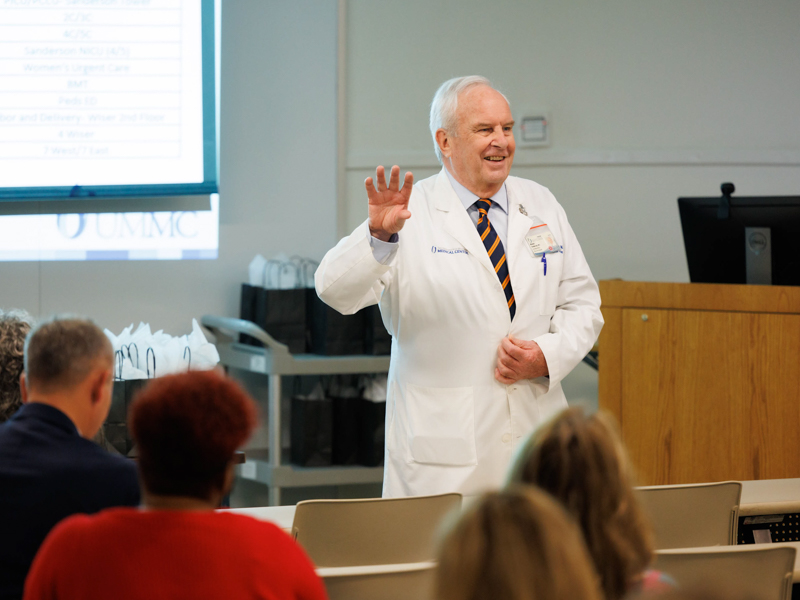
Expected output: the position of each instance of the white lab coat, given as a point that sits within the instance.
(450, 426)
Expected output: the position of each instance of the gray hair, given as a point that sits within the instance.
(14, 326)
(445, 104)
(61, 352)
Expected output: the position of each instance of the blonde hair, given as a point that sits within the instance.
(694, 593)
(582, 462)
(516, 544)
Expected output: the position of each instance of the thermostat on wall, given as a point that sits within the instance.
(534, 129)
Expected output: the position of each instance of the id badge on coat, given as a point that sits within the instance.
(541, 241)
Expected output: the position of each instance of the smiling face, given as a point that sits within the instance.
(480, 153)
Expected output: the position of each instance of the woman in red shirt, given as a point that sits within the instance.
(175, 545)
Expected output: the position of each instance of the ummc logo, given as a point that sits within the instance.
(109, 226)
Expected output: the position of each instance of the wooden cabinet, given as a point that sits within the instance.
(704, 379)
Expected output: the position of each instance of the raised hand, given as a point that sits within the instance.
(388, 205)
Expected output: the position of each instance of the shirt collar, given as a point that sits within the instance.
(468, 198)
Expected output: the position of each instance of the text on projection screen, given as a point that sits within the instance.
(100, 92)
(95, 93)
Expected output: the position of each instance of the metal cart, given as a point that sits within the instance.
(273, 361)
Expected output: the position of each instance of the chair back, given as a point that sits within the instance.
(752, 572)
(379, 582)
(371, 531)
(694, 515)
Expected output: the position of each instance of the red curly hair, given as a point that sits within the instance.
(187, 428)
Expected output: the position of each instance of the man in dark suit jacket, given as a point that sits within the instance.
(49, 467)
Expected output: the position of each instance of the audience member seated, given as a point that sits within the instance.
(517, 544)
(582, 462)
(14, 326)
(687, 594)
(187, 428)
(49, 467)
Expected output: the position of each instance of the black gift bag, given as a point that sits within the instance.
(377, 341)
(278, 305)
(311, 432)
(371, 432)
(247, 312)
(116, 425)
(345, 431)
(281, 313)
(332, 333)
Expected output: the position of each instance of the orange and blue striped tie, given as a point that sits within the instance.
(496, 252)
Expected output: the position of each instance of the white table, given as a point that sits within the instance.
(763, 497)
(795, 545)
(282, 516)
(770, 497)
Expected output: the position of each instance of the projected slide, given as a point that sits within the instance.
(100, 92)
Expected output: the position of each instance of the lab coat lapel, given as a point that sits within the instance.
(518, 226)
(457, 222)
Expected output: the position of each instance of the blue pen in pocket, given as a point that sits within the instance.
(544, 262)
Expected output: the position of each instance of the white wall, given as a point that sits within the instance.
(649, 100)
(277, 179)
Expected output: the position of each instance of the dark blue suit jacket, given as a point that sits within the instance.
(48, 472)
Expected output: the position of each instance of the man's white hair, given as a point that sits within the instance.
(445, 104)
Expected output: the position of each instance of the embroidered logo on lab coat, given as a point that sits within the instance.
(437, 250)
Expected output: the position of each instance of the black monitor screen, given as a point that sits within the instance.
(717, 247)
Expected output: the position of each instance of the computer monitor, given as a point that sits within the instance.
(742, 240)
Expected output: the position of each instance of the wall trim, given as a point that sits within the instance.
(369, 159)
(341, 120)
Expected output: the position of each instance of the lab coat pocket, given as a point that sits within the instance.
(441, 425)
(549, 276)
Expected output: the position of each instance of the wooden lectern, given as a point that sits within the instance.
(703, 378)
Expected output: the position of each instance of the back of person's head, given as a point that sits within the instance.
(687, 594)
(187, 428)
(582, 462)
(61, 352)
(517, 544)
(14, 327)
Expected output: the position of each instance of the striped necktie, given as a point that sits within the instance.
(496, 252)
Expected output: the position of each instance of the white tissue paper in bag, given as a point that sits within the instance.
(375, 388)
(343, 387)
(142, 354)
(285, 274)
(278, 273)
(306, 269)
(256, 271)
(281, 272)
(128, 359)
(204, 354)
(318, 393)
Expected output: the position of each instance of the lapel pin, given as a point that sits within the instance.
(522, 210)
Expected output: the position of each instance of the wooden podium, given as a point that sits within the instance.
(703, 378)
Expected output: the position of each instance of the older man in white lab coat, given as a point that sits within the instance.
(486, 293)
